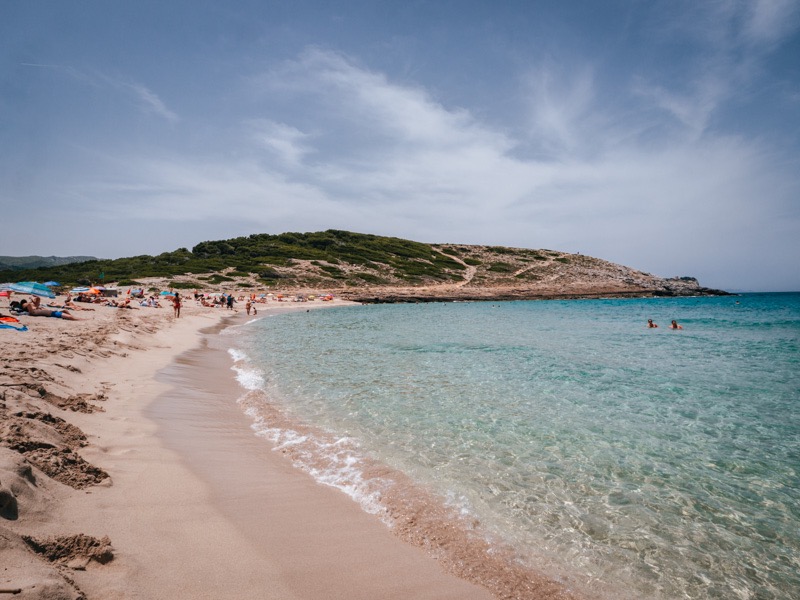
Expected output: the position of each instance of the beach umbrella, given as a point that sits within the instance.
(79, 290)
(52, 283)
(31, 287)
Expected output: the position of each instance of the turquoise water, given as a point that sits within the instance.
(664, 463)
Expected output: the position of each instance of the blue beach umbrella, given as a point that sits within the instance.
(79, 290)
(31, 287)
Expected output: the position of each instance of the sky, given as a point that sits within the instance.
(662, 135)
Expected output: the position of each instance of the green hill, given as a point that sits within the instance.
(259, 255)
(18, 263)
(368, 268)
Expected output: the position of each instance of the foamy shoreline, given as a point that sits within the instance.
(412, 512)
(242, 525)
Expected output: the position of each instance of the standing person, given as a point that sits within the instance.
(176, 305)
(247, 307)
(230, 301)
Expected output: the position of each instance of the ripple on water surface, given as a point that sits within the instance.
(662, 461)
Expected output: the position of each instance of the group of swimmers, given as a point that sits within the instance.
(673, 325)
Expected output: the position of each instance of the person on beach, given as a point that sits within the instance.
(650, 324)
(34, 310)
(230, 301)
(176, 305)
(247, 307)
(69, 303)
(674, 325)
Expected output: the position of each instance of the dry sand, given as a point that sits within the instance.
(118, 482)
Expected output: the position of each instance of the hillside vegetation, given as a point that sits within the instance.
(367, 268)
(17, 263)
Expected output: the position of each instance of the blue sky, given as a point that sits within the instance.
(661, 135)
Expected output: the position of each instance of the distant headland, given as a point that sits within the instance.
(363, 268)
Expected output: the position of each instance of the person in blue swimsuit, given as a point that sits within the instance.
(34, 310)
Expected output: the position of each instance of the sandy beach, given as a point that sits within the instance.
(120, 479)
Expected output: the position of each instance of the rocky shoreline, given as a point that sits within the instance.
(399, 297)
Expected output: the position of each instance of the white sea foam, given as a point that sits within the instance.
(237, 355)
(249, 379)
(247, 376)
(537, 418)
(335, 463)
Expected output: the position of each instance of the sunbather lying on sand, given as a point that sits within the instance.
(34, 310)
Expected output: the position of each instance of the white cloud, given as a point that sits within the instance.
(728, 43)
(407, 115)
(149, 101)
(768, 21)
(145, 98)
(365, 153)
(561, 101)
(285, 142)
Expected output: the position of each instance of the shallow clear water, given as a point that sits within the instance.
(664, 462)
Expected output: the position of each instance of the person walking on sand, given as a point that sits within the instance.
(176, 305)
(247, 307)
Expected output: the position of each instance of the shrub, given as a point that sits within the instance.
(217, 278)
(501, 267)
(370, 278)
(268, 274)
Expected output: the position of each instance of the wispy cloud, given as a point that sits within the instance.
(285, 142)
(147, 100)
(331, 143)
(561, 102)
(406, 158)
(769, 21)
(729, 42)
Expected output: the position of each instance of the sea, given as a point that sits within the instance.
(564, 436)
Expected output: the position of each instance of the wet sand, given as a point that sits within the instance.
(120, 483)
(317, 541)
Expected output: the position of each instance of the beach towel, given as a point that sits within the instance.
(6, 319)
(7, 326)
